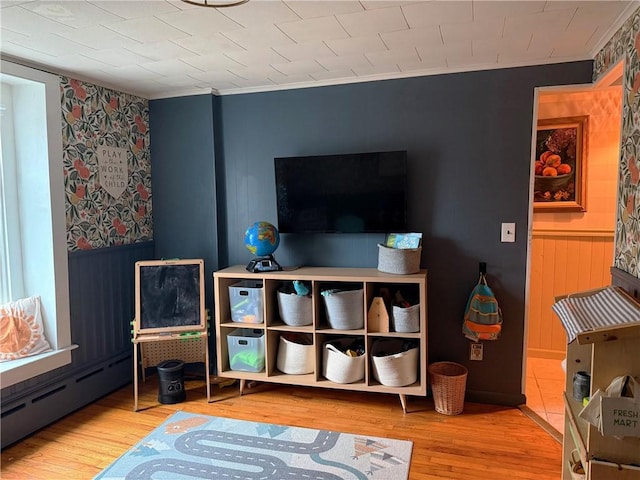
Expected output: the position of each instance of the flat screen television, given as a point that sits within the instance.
(347, 193)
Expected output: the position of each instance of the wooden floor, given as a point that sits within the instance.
(484, 442)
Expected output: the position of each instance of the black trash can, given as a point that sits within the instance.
(171, 382)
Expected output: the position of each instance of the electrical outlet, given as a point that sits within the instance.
(476, 351)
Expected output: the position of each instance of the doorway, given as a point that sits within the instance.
(571, 251)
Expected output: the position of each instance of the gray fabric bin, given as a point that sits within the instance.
(295, 310)
(406, 320)
(345, 310)
(399, 260)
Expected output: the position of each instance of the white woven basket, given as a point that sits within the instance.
(395, 370)
(406, 320)
(340, 367)
(399, 260)
(294, 358)
(295, 310)
(345, 310)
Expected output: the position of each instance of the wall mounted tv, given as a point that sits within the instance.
(348, 193)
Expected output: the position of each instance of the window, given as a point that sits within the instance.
(33, 253)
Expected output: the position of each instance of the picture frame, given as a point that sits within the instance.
(560, 165)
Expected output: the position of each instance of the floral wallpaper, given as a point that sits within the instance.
(93, 118)
(625, 45)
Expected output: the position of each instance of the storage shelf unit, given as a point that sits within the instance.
(604, 353)
(369, 279)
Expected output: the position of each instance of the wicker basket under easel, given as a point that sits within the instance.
(448, 385)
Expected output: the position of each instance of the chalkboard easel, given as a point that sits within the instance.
(170, 307)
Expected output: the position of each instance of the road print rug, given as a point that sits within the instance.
(188, 446)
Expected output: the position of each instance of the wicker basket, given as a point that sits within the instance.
(397, 369)
(448, 385)
(399, 260)
(345, 310)
(295, 310)
(294, 358)
(340, 367)
(406, 320)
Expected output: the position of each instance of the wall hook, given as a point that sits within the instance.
(483, 268)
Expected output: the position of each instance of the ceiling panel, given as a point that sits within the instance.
(52, 44)
(370, 22)
(134, 9)
(72, 14)
(301, 51)
(352, 45)
(99, 37)
(323, 9)
(257, 13)
(199, 21)
(162, 50)
(19, 19)
(148, 29)
(257, 37)
(169, 47)
(344, 62)
(429, 14)
(314, 29)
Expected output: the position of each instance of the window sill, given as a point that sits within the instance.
(16, 371)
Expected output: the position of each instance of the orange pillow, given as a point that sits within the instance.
(21, 329)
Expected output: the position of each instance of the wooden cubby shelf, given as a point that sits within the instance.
(370, 280)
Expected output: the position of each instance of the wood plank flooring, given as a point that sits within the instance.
(485, 442)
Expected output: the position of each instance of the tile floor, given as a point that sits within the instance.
(544, 390)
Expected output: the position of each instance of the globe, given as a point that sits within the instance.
(262, 239)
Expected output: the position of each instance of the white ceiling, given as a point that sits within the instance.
(170, 48)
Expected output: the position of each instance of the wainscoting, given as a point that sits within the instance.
(562, 261)
(101, 290)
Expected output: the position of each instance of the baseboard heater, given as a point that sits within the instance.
(40, 408)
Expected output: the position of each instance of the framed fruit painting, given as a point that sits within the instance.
(560, 165)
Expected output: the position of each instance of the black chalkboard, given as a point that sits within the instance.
(170, 296)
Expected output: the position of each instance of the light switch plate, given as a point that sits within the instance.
(508, 232)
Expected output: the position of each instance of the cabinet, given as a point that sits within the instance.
(370, 280)
(604, 353)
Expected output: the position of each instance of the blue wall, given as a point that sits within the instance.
(183, 179)
(468, 138)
